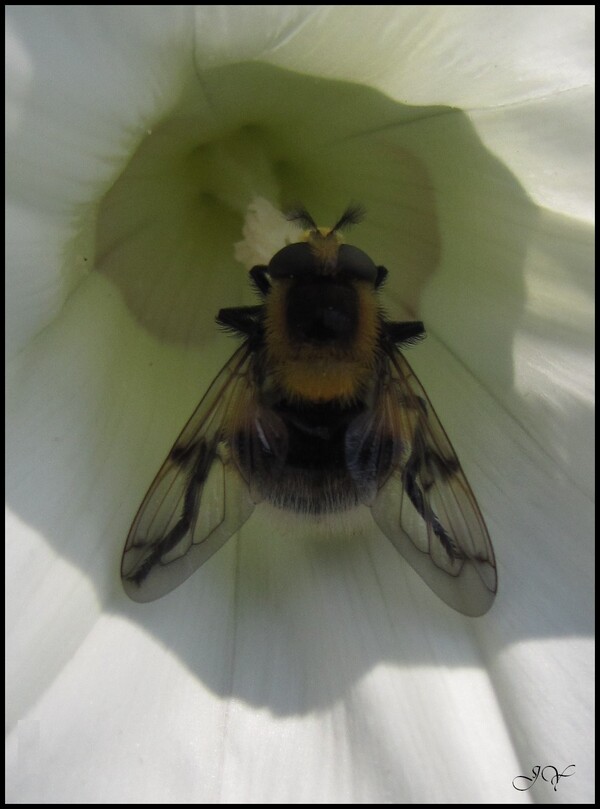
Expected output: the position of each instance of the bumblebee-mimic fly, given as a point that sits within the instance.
(317, 412)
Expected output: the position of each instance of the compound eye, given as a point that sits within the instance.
(354, 263)
(292, 261)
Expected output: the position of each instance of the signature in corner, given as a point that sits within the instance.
(549, 774)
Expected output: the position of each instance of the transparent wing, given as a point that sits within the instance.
(198, 499)
(408, 472)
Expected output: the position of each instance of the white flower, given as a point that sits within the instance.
(285, 670)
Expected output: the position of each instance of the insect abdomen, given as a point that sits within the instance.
(313, 477)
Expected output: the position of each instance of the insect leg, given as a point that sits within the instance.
(403, 334)
(260, 279)
(245, 320)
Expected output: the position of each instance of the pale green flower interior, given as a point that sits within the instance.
(166, 229)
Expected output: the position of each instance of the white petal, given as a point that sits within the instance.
(531, 66)
(82, 94)
(548, 143)
(461, 56)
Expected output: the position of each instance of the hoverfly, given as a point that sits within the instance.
(316, 412)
